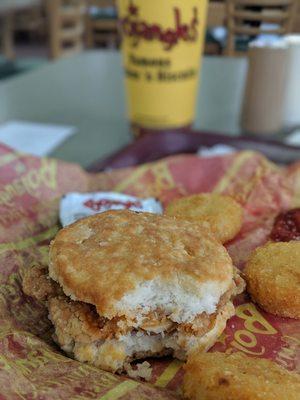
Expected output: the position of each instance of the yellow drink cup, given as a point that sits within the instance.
(162, 50)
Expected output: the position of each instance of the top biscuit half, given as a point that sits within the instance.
(129, 264)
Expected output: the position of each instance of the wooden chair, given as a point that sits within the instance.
(296, 19)
(66, 21)
(216, 15)
(7, 36)
(246, 18)
(9, 20)
(101, 29)
(31, 20)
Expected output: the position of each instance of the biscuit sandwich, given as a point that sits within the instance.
(124, 286)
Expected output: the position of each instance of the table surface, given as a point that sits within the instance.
(87, 91)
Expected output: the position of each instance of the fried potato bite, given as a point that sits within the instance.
(222, 214)
(216, 376)
(273, 278)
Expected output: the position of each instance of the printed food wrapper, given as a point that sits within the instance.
(74, 206)
(31, 365)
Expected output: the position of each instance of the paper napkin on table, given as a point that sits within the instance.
(34, 138)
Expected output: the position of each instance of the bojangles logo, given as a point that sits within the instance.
(139, 29)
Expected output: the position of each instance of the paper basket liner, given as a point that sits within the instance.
(31, 365)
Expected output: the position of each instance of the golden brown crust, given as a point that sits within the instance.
(36, 283)
(101, 258)
(222, 214)
(273, 278)
(84, 335)
(74, 321)
(80, 321)
(215, 376)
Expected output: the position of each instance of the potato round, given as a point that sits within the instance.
(221, 213)
(273, 278)
(216, 376)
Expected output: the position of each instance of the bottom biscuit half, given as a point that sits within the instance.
(112, 345)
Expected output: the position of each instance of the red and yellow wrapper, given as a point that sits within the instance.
(31, 365)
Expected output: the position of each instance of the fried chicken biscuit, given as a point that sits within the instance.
(137, 285)
(124, 286)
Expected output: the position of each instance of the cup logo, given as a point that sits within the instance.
(137, 28)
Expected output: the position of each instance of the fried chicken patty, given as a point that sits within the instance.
(111, 344)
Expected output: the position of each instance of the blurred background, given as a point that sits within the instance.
(36, 31)
(60, 65)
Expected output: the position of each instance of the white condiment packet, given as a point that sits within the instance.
(294, 138)
(216, 150)
(74, 206)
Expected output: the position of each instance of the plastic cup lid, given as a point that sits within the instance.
(270, 43)
(292, 40)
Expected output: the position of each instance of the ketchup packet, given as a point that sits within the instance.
(74, 206)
